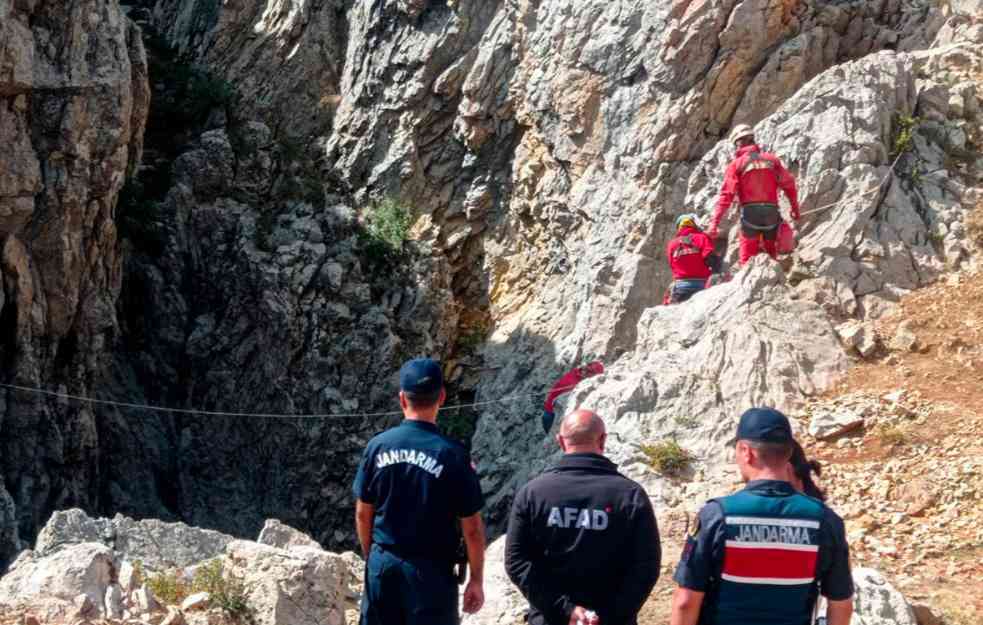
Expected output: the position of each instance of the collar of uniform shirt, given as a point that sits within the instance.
(585, 460)
(780, 486)
(423, 425)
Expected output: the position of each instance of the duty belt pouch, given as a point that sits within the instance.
(760, 219)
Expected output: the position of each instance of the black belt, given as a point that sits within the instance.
(771, 210)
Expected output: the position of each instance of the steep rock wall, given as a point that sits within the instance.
(73, 100)
(545, 149)
(839, 133)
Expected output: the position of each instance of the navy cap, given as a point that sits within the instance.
(421, 377)
(764, 425)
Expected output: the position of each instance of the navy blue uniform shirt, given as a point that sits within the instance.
(420, 483)
(777, 540)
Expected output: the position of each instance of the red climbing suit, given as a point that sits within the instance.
(754, 177)
(571, 379)
(688, 253)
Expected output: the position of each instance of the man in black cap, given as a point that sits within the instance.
(413, 486)
(764, 554)
(583, 545)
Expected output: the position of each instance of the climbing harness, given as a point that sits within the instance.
(760, 219)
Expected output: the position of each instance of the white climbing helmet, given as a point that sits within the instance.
(740, 132)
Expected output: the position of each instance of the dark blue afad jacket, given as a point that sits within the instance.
(583, 534)
(762, 556)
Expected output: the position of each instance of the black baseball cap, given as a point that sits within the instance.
(421, 378)
(764, 425)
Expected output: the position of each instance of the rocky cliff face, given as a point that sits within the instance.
(838, 132)
(73, 100)
(544, 148)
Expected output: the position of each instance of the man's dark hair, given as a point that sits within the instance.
(804, 468)
(420, 401)
(772, 454)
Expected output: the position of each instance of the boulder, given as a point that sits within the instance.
(277, 534)
(83, 607)
(858, 336)
(925, 615)
(144, 601)
(157, 545)
(916, 495)
(113, 602)
(56, 581)
(300, 586)
(877, 602)
(128, 577)
(826, 425)
(197, 601)
(174, 617)
(904, 339)
(71, 527)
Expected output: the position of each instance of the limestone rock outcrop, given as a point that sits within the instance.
(877, 602)
(276, 534)
(694, 367)
(51, 584)
(69, 576)
(155, 544)
(544, 148)
(270, 297)
(304, 585)
(839, 133)
(73, 101)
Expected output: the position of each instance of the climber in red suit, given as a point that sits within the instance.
(691, 259)
(755, 177)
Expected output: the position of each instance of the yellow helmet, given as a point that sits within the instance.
(689, 219)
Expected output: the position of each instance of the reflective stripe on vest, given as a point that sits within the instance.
(754, 161)
(770, 562)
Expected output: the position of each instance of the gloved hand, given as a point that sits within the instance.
(548, 421)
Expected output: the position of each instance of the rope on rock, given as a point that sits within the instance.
(253, 415)
(876, 189)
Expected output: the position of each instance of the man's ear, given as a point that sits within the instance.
(402, 401)
(442, 398)
(602, 441)
(559, 441)
(741, 452)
